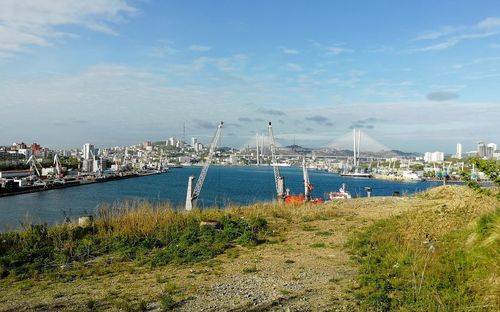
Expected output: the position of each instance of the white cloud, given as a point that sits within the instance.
(451, 42)
(199, 48)
(26, 24)
(124, 105)
(289, 51)
(452, 36)
(489, 23)
(445, 31)
(336, 50)
(331, 50)
(293, 67)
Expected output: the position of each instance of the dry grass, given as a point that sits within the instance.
(288, 259)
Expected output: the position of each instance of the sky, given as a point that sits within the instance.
(413, 75)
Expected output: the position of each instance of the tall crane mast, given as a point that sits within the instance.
(278, 179)
(57, 165)
(33, 165)
(192, 195)
(308, 187)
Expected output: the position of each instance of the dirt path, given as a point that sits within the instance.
(305, 267)
(309, 270)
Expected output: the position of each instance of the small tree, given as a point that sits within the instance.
(490, 168)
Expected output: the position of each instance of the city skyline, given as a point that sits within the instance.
(417, 77)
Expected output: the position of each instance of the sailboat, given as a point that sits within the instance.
(356, 173)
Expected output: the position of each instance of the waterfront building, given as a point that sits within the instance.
(481, 149)
(490, 150)
(88, 151)
(88, 165)
(25, 151)
(172, 141)
(458, 155)
(35, 147)
(434, 157)
(198, 147)
(496, 155)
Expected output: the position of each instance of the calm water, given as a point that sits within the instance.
(223, 185)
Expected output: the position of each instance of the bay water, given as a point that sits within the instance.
(224, 185)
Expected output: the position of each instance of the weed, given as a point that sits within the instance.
(40, 306)
(167, 302)
(334, 280)
(233, 254)
(171, 288)
(161, 279)
(308, 228)
(142, 306)
(91, 304)
(250, 269)
(324, 233)
(318, 245)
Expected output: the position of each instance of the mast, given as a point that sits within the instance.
(257, 145)
(307, 184)
(278, 179)
(354, 148)
(192, 195)
(358, 142)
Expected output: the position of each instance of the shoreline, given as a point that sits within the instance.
(35, 189)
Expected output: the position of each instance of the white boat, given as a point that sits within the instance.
(281, 165)
(356, 175)
(411, 176)
(341, 194)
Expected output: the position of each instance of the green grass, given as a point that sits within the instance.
(451, 271)
(250, 269)
(145, 236)
(318, 245)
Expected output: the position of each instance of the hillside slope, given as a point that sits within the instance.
(305, 264)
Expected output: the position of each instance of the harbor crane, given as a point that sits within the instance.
(192, 195)
(59, 171)
(278, 179)
(34, 169)
(34, 165)
(308, 187)
(58, 166)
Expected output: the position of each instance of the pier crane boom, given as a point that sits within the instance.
(34, 165)
(278, 179)
(58, 166)
(192, 195)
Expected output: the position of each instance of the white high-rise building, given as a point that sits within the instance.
(490, 150)
(194, 141)
(434, 157)
(88, 151)
(459, 151)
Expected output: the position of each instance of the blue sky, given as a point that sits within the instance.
(414, 75)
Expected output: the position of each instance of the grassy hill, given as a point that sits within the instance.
(433, 251)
